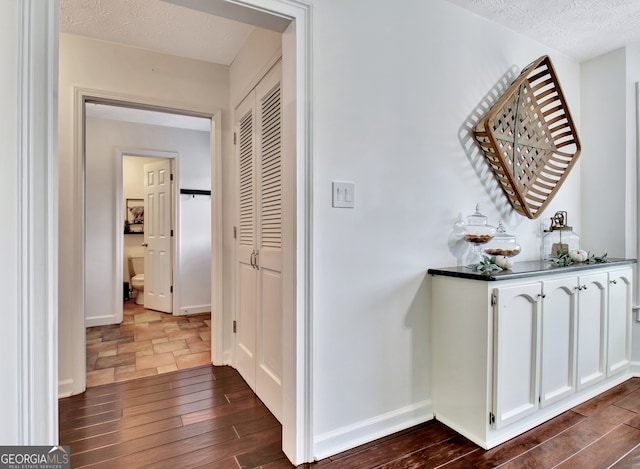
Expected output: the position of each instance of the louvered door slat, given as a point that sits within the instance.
(247, 209)
(271, 170)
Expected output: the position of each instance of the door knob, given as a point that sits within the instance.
(145, 244)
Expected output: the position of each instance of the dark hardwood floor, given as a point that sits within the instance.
(208, 417)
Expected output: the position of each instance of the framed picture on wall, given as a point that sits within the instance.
(134, 216)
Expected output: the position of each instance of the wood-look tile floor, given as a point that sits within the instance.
(147, 343)
(207, 417)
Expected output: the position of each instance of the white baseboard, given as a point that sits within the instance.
(100, 321)
(197, 309)
(65, 388)
(348, 437)
(634, 369)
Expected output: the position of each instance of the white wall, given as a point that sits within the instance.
(610, 159)
(192, 280)
(603, 135)
(609, 115)
(394, 86)
(158, 78)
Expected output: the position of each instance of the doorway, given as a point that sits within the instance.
(122, 180)
(296, 201)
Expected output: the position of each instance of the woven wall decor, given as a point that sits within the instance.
(529, 139)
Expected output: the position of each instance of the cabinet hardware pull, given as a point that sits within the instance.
(252, 259)
(614, 282)
(542, 295)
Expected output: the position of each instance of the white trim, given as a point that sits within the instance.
(196, 309)
(100, 321)
(217, 248)
(353, 435)
(636, 286)
(634, 369)
(65, 388)
(37, 334)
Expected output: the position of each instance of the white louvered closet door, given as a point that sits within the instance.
(247, 275)
(259, 326)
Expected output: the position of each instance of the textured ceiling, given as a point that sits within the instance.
(582, 29)
(155, 25)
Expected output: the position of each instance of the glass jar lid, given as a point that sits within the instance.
(478, 230)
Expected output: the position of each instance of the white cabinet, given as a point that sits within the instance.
(592, 316)
(512, 353)
(619, 321)
(516, 352)
(558, 339)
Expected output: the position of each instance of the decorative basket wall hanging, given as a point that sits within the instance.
(529, 139)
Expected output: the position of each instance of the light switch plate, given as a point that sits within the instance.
(343, 194)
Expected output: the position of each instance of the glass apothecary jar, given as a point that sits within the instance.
(477, 232)
(502, 244)
(559, 237)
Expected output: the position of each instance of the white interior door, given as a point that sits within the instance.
(259, 246)
(247, 279)
(269, 243)
(157, 236)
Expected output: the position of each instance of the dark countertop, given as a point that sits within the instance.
(523, 269)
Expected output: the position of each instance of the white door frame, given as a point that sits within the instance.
(175, 212)
(297, 326)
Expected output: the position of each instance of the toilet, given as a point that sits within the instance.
(136, 272)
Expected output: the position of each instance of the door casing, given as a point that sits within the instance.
(83, 95)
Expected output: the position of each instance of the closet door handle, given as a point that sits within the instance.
(252, 259)
(255, 258)
(145, 244)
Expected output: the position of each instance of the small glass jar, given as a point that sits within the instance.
(502, 244)
(477, 232)
(559, 237)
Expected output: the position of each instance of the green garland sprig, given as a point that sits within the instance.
(563, 260)
(487, 265)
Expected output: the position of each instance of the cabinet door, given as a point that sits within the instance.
(619, 321)
(558, 340)
(516, 349)
(592, 328)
